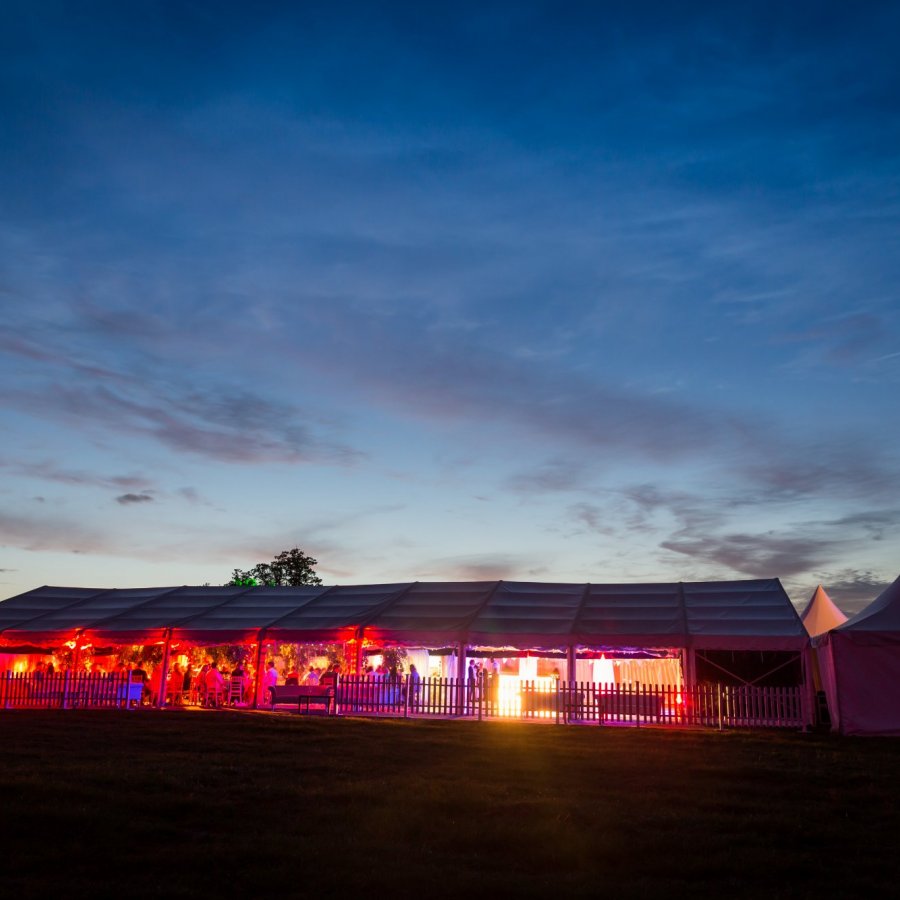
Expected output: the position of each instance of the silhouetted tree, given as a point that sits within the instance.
(290, 567)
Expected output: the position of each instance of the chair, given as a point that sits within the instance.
(214, 695)
(235, 691)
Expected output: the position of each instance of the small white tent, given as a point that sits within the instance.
(821, 614)
(860, 663)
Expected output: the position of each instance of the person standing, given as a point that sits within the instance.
(173, 684)
(186, 684)
(139, 673)
(200, 684)
(415, 681)
(269, 680)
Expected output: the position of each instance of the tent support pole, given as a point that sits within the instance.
(358, 652)
(258, 668)
(808, 690)
(571, 663)
(689, 667)
(461, 678)
(164, 670)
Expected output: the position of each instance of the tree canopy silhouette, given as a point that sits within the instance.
(290, 567)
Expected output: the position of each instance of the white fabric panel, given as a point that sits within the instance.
(868, 685)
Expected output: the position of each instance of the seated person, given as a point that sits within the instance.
(215, 685)
(140, 674)
(292, 677)
(239, 682)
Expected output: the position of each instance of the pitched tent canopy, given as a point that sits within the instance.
(821, 614)
(740, 615)
(860, 663)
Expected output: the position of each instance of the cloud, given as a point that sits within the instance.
(477, 567)
(96, 366)
(875, 524)
(126, 499)
(48, 471)
(56, 535)
(439, 374)
(852, 589)
(592, 516)
(691, 512)
(192, 495)
(231, 426)
(552, 476)
(825, 468)
(757, 555)
(449, 380)
(846, 339)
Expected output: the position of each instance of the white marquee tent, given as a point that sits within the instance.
(860, 664)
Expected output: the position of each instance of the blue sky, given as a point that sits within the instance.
(529, 291)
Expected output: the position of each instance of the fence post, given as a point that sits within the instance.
(65, 691)
(406, 697)
(7, 690)
(719, 704)
(557, 701)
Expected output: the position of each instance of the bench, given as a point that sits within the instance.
(304, 695)
(619, 705)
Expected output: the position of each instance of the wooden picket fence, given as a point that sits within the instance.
(69, 690)
(721, 706)
(564, 702)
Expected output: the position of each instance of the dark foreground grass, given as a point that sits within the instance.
(191, 804)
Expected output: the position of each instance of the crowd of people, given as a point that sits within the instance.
(210, 686)
(207, 685)
(483, 681)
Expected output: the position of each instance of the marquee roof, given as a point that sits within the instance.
(881, 616)
(724, 615)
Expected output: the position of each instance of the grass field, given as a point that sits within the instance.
(198, 804)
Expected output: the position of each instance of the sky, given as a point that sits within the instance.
(532, 291)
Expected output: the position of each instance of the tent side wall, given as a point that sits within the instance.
(861, 675)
